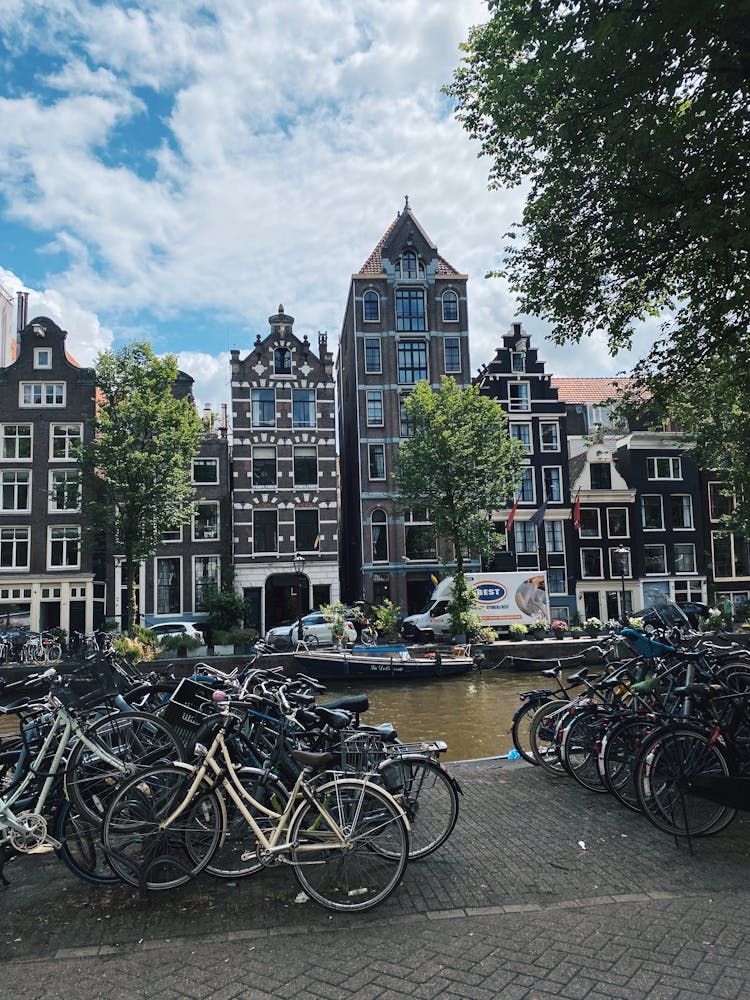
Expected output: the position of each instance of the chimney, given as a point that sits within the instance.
(6, 328)
(22, 312)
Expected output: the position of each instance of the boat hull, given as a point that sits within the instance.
(339, 666)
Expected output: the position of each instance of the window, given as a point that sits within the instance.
(373, 362)
(265, 531)
(652, 513)
(599, 415)
(303, 407)
(374, 408)
(406, 421)
(15, 491)
(525, 535)
(450, 307)
(682, 511)
(64, 439)
(522, 434)
(168, 596)
(412, 361)
(410, 265)
(282, 361)
(552, 478)
(518, 397)
(14, 548)
(591, 563)
(689, 590)
(64, 548)
(619, 563)
(264, 466)
(376, 461)
(420, 541)
(720, 501)
(601, 476)
(731, 555)
(206, 521)
(206, 470)
(452, 354)
(306, 530)
(684, 558)
(305, 465)
(64, 490)
(371, 307)
(654, 559)
(664, 468)
(42, 394)
(205, 579)
(617, 522)
(410, 311)
(590, 525)
(16, 442)
(553, 536)
(263, 407)
(172, 535)
(379, 531)
(550, 436)
(42, 357)
(526, 489)
(556, 582)
(518, 361)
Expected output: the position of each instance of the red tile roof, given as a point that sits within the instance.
(590, 390)
(374, 263)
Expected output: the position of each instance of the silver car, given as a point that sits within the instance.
(316, 631)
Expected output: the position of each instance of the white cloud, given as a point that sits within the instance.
(212, 377)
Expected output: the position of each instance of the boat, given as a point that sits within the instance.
(379, 663)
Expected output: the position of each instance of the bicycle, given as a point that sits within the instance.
(346, 838)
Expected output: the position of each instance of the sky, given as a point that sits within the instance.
(172, 172)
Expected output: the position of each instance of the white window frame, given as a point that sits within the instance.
(592, 576)
(44, 387)
(311, 447)
(16, 438)
(260, 425)
(652, 468)
(550, 528)
(258, 448)
(689, 498)
(522, 528)
(527, 446)
(520, 356)
(513, 404)
(376, 479)
(38, 352)
(549, 469)
(614, 565)
(419, 519)
(266, 510)
(627, 523)
(716, 518)
(307, 404)
(557, 569)
(374, 393)
(194, 578)
(379, 524)
(280, 373)
(660, 572)
(591, 510)
(532, 479)
(370, 294)
(21, 533)
(651, 496)
(205, 461)
(206, 503)
(379, 369)
(685, 572)
(67, 457)
(446, 369)
(51, 506)
(157, 560)
(556, 426)
(443, 297)
(51, 530)
(9, 473)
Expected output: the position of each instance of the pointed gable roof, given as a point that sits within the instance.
(404, 221)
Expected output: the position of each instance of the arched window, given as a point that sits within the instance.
(282, 361)
(379, 536)
(371, 307)
(450, 307)
(411, 265)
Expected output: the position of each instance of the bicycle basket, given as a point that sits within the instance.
(360, 752)
(189, 706)
(90, 683)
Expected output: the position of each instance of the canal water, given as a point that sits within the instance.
(471, 712)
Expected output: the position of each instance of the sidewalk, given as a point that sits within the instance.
(544, 890)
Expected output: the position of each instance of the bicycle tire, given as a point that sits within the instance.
(312, 641)
(81, 849)
(39, 653)
(519, 730)
(617, 757)
(667, 761)
(428, 796)
(139, 740)
(363, 871)
(543, 737)
(580, 749)
(54, 652)
(144, 854)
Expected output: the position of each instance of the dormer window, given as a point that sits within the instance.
(518, 361)
(282, 361)
(42, 357)
(411, 266)
(450, 307)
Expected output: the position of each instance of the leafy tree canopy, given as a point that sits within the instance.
(628, 121)
(460, 463)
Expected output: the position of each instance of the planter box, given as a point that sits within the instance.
(224, 650)
(198, 654)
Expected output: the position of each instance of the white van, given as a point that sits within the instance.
(500, 599)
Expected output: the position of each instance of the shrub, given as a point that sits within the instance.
(593, 623)
(518, 628)
(538, 626)
(334, 614)
(177, 642)
(132, 649)
(386, 618)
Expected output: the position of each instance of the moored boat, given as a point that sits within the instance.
(379, 663)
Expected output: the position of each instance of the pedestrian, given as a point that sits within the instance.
(727, 609)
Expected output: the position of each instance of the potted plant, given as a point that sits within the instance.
(387, 619)
(223, 644)
(538, 628)
(576, 631)
(559, 628)
(614, 625)
(517, 631)
(241, 640)
(636, 622)
(715, 620)
(180, 644)
(593, 626)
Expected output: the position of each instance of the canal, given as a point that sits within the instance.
(471, 712)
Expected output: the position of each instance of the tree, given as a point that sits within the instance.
(136, 471)
(628, 122)
(461, 464)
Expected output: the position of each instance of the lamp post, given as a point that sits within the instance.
(622, 554)
(299, 565)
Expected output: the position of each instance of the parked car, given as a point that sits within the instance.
(313, 624)
(177, 628)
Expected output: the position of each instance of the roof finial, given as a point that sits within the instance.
(406, 201)
(281, 309)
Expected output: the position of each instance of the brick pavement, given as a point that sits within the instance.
(511, 906)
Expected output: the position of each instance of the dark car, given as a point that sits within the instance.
(693, 611)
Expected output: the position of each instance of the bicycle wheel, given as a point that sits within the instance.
(54, 652)
(619, 752)
(519, 730)
(362, 870)
(236, 856)
(138, 740)
(81, 848)
(429, 798)
(312, 641)
(667, 762)
(39, 653)
(146, 855)
(580, 749)
(543, 736)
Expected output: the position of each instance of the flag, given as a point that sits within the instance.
(316, 543)
(577, 511)
(511, 516)
(537, 518)
(434, 580)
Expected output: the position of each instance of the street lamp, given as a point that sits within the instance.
(299, 565)
(622, 552)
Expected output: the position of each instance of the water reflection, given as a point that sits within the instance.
(472, 712)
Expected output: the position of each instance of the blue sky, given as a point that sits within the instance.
(173, 172)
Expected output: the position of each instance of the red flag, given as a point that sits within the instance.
(577, 511)
(511, 516)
